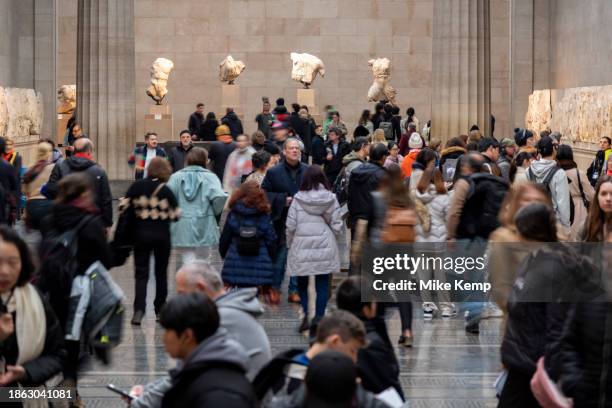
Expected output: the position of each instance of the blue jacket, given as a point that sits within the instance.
(138, 159)
(240, 270)
(201, 199)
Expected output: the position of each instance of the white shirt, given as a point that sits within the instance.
(151, 153)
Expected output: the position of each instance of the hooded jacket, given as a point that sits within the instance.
(559, 187)
(351, 161)
(312, 225)
(212, 376)
(238, 311)
(102, 193)
(234, 123)
(201, 199)
(408, 161)
(364, 180)
(361, 399)
(239, 270)
(437, 206)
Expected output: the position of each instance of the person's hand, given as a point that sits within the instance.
(329, 157)
(7, 326)
(13, 374)
(70, 148)
(137, 391)
(107, 231)
(288, 201)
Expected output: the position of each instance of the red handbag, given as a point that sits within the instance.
(546, 391)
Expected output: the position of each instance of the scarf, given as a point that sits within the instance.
(34, 171)
(10, 157)
(84, 155)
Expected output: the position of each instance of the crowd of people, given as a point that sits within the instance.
(276, 205)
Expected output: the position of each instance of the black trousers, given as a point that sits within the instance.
(142, 252)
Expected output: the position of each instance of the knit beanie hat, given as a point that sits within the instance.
(415, 141)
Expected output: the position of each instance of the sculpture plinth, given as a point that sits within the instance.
(308, 97)
(159, 120)
(230, 96)
(62, 121)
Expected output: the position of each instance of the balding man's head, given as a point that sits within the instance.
(83, 145)
(199, 276)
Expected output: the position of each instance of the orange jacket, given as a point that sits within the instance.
(407, 162)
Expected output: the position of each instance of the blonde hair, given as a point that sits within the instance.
(379, 136)
(44, 151)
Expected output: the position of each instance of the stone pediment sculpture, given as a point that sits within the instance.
(381, 90)
(21, 113)
(582, 115)
(230, 69)
(305, 68)
(66, 96)
(160, 71)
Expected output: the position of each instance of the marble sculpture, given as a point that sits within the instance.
(230, 69)
(381, 90)
(66, 96)
(305, 68)
(160, 71)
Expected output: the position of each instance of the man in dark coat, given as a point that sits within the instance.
(142, 155)
(9, 189)
(213, 365)
(233, 122)
(196, 119)
(220, 150)
(336, 149)
(178, 154)
(82, 160)
(303, 128)
(281, 183)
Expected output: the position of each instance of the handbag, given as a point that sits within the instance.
(545, 391)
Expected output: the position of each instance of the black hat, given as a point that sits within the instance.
(521, 136)
(280, 102)
(331, 380)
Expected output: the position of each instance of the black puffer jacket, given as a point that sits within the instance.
(582, 354)
(363, 181)
(548, 280)
(102, 192)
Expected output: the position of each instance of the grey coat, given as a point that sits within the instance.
(312, 225)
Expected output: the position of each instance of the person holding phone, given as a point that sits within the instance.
(30, 356)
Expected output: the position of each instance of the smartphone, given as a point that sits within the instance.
(119, 391)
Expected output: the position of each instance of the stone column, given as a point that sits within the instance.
(461, 94)
(105, 80)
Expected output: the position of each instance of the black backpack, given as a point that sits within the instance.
(58, 266)
(247, 242)
(273, 375)
(482, 205)
(340, 187)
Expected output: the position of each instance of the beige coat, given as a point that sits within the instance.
(32, 189)
(580, 211)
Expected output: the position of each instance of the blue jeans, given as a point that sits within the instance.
(322, 290)
(280, 264)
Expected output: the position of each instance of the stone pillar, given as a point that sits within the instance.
(105, 80)
(461, 94)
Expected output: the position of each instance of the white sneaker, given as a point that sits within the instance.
(491, 311)
(447, 313)
(428, 312)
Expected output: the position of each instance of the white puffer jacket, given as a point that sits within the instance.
(437, 205)
(313, 222)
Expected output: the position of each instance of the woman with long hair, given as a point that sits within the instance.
(581, 191)
(248, 239)
(312, 225)
(395, 221)
(207, 130)
(598, 226)
(432, 193)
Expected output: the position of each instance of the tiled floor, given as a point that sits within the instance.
(445, 368)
